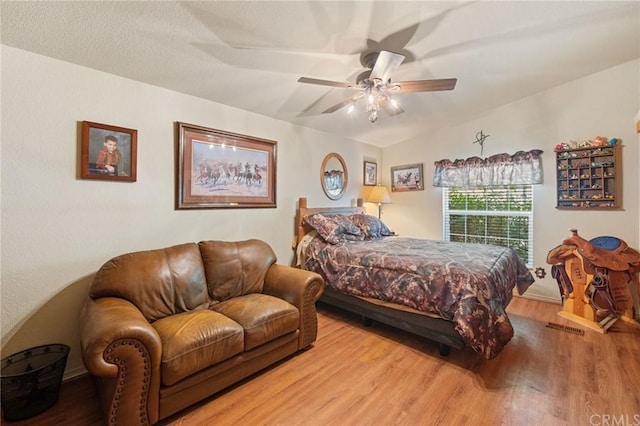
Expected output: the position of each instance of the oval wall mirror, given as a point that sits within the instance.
(334, 176)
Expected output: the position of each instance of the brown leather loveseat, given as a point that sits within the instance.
(163, 329)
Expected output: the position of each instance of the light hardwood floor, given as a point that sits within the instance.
(356, 375)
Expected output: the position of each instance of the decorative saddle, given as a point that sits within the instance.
(600, 256)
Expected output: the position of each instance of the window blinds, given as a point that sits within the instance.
(498, 215)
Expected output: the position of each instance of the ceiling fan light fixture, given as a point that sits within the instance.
(372, 105)
(376, 84)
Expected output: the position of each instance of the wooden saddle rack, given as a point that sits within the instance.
(598, 280)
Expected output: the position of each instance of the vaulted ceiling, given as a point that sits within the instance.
(250, 54)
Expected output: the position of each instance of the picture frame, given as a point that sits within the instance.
(220, 169)
(108, 152)
(370, 172)
(409, 177)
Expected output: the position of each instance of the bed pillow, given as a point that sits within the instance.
(371, 226)
(334, 228)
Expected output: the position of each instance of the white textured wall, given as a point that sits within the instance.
(57, 229)
(600, 104)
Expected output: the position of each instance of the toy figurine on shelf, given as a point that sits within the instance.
(596, 142)
(598, 280)
(599, 141)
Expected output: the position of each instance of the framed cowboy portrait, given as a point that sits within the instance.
(108, 152)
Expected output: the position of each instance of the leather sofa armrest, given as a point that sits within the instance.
(300, 288)
(123, 351)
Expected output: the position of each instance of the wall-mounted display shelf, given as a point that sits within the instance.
(589, 178)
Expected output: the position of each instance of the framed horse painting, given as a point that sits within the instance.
(407, 178)
(220, 169)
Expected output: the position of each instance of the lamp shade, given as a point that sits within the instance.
(379, 194)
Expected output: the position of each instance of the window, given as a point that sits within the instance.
(499, 215)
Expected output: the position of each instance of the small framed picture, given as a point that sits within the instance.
(407, 178)
(220, 169)
(108, 152)
(370, 173)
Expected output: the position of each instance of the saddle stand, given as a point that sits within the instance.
(598, 281)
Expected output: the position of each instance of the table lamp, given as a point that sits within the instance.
(380, 195)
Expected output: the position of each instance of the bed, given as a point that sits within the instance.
(455, 294)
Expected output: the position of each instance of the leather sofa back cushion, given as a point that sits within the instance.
(159, 282)
(235, 268)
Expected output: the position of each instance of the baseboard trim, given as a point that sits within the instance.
(74, 373)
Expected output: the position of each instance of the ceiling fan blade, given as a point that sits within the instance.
(426, 85)
(350, 100)
(338, 106)
(386, 63)
(324, 82)
(391, 108)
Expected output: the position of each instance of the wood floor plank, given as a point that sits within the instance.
(356, 375)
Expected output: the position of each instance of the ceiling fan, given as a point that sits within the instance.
(375, 84)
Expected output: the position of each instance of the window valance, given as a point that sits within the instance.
(521, 168)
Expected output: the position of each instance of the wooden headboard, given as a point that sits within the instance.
(302, 229)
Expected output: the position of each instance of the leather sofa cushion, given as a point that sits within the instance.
(159, 282)
(263, 317)
(193, 341)
(235, 268)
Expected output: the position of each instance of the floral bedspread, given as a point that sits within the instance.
(469, 284)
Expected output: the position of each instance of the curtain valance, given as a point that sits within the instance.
(521, 168)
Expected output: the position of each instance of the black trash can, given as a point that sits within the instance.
(31, 380)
